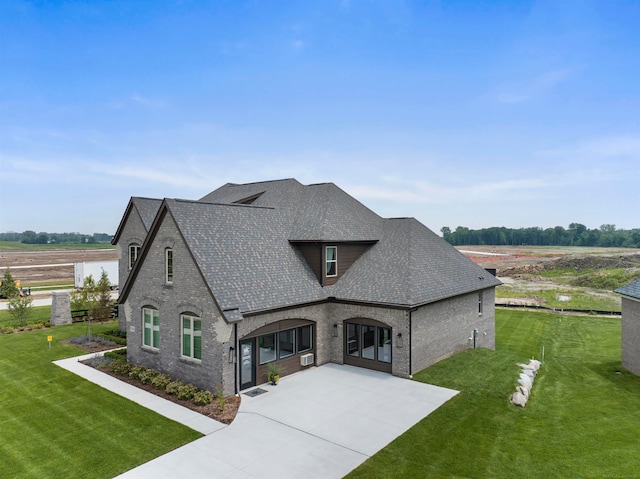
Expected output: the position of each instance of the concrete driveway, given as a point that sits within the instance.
(319, 423)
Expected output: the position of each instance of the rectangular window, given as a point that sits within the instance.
(305, 339)
(151, 328)
(384, 345)
(480, 303)
(134, 251)
(191, 337)
(353, 340)
(331, 263)
(267, 348)
(286, 343)
(169, 265)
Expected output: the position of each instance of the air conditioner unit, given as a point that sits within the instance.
(306, 359)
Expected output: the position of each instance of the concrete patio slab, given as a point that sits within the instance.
(319, 423)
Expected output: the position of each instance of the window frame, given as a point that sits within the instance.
(193, 333)
(328, 261)
(480, 303)
(134, 250)
(168, 265)
(153, 327)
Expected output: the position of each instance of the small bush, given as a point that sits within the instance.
(137, 372)
(161, 381)
(202, 398)
(173, 386)
(117, 354)
(186, 391)
(148, 376)
(116, 332)
(121, 366)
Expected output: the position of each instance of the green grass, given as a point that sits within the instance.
(39, 314)
(580, 299)
(55, 424)
(581, 421)
(15, 246)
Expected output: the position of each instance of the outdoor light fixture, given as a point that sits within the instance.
(335, 330)
(232, 355)
(399, 342)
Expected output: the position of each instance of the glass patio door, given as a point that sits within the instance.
(247, 363)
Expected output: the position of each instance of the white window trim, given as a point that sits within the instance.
(152, 328)
(192, 335)
(167, 279)
(327, 261)
(133, 247)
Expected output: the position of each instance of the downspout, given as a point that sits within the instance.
(410, 340)
(235, 363)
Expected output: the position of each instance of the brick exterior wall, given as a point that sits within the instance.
(187, 294)
(442, 329)
(631, 335)
(133, 232)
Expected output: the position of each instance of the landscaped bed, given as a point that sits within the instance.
(219, 408)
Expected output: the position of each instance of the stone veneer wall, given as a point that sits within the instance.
(631, 335)
(60, 308)
(442, 329)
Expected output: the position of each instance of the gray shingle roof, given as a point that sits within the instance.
(246, 255)
(147, 209)
(632, 290)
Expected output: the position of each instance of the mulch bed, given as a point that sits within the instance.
(212, 410)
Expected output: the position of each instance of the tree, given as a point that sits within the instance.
(20, 308)
(8, 288)
(101, 308)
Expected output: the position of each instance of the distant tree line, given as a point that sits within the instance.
(31, 237)
(576, 235)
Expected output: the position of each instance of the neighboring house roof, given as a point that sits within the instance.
(631, 290)
(248, 257)
(147, 208)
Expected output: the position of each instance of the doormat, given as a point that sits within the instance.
(255, 392)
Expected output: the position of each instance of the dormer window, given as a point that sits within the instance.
(331, 261)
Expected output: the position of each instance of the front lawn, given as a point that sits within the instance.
(582, 420)
(56, 424)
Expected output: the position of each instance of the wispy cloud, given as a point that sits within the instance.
(146, 101)
(534, 87)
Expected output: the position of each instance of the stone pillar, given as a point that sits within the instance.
(60, 308)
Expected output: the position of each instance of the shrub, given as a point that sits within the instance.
(148, 376)
(161, 381)
(202, 398)
(121, 366)
(186, 391)
(173, 386)
(136, 372)
(117, 354)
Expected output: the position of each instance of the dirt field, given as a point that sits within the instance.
(511, 260)
(36, 267)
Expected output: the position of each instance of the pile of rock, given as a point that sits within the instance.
(525, 382)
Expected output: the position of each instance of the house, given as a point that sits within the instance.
(134, 226)
(631, 326)
(297, 275)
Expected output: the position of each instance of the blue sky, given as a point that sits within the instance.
(467, 113)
